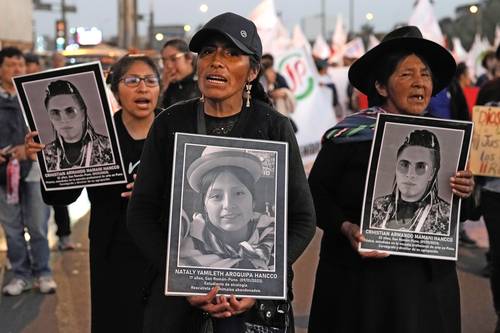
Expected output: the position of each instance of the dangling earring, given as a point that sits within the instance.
(248, 87)
(202, 98)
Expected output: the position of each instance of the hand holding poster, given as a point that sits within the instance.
(409, 208)
(70, 110)
(485, 150)
(227, 217)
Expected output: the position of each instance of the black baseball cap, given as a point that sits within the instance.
(239, 30)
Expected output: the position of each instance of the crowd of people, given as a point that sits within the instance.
(231, 89)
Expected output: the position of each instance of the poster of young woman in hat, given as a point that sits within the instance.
(227, 223)
(409, 207)
(69, 109)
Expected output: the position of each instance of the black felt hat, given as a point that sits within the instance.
(240, 31)
(408, 38)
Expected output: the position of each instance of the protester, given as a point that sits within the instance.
(277, 89)
(489, 63)
(28, 260)
(326, 81)
(58, 60)
(179, 77)
(368, 291)
(278, 81)
(32, 63)
(488, 203)
(450, 103)
(61, 214)
(229, 51)
(117, 267)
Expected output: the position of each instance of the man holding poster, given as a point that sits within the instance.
(485, 161)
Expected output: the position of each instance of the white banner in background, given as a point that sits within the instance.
(314, 112)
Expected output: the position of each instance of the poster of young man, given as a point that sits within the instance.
(409, 208)
(70, 110)
(228, 217)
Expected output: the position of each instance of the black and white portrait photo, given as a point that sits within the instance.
(408, 197)
(414, 203)
(229, 216)
(226, 230)
(69, 110)
(76, 142)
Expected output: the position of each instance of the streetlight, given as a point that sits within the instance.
(187, 28)
(159, 36)
(369, 16)
(203, 8)
(474, 10)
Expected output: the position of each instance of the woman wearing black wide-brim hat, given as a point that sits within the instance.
(370, 291)
(233, 104)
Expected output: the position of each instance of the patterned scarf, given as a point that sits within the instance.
(357, 127)
(211, 251)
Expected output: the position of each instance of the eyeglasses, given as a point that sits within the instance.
(134, 81)
(173, 58)
(69, 113)
(419, 167)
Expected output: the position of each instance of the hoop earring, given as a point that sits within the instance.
(248, 87)
(202, 98)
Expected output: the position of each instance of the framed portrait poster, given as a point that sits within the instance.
(228, 217)
(409, 208)
(70, 110)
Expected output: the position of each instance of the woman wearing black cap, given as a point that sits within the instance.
(232, 104)
(370, 292)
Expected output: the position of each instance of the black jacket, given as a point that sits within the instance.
(428, 288)
(117, 267)
(148, 211)
(182, 90)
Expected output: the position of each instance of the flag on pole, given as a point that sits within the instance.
(474, 57)
(299, 39)
(273, 34)
(339, 39)
(372, 42)
(354, 49)
(423, 17)
(320, 49)
(459, 53)
(496, 43)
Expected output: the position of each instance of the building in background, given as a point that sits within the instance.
(16, 27)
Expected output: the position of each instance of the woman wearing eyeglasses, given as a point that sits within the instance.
(77, 144)
(414, 204)
(116, 265)
(180, 82)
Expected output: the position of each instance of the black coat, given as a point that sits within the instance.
(394, 294)
(148, 211)
(117, 266)
(180, 91)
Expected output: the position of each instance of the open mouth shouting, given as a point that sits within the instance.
(142, 102)
(216, 79)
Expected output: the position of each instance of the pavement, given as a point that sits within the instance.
(68, 310)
